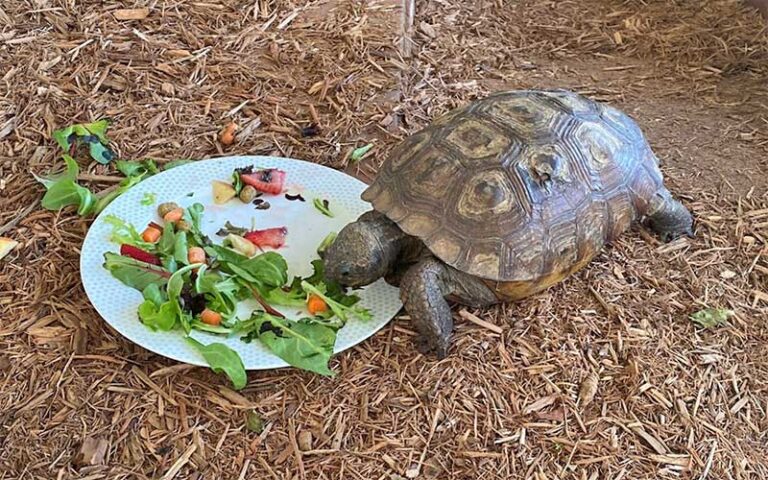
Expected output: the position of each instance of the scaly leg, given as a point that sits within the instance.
(424, 290)
(669, 218)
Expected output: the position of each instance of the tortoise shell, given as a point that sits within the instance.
(519, 186)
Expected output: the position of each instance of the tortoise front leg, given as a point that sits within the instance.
(669, 218)
(424, 290)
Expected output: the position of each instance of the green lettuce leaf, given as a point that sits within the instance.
(133, 273)
(94, 134)
(302, 344)
(125, 233)
(161, 318)
(131, 168)
(153, 293)
(63, 190)
(180, 248)
(221, 358)
(341, 309)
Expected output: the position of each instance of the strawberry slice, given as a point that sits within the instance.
(138, 254)
(270, 237)
(269, 181)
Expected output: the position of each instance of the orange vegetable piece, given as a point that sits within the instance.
(151, 234)
(227, 136)
(316, 305)
(174, 215)
(196, 255)
(210, 317)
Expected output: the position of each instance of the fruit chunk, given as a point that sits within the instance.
(270, 237)
(196, 255)
(174, 215)
(151, 234)
(240, 245)
(227, 135)
(138, 254)
(269, 181)
(316, 305)
(210, 317)
(6, 245)
(223, 192)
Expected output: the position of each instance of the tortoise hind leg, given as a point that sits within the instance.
(669, 218)
(424, 290)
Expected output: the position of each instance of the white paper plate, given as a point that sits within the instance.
(307, 227)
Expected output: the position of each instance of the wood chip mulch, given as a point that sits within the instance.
(602, 376)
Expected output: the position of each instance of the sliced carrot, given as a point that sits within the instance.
(316, 305)
(196, 255)
(174, 215)
(210, 317)
(151, 234)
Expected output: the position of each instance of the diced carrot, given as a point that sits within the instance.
(196, 255)
(316, 305)
(174, 215)
(210, 317)
(151, 234)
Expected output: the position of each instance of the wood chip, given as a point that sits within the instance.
(588, 389)
(539, 404)
(92, 452)
(131, 13)
(180, 462)
(463, 313)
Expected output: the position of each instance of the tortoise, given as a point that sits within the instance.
(500, 199)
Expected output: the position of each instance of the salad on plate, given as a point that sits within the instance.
(190, 282)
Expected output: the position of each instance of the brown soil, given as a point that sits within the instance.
(672, 400)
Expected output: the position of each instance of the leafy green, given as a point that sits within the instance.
(176, 282)
(342, 311)
(265, 271)
(711, 317)
(63, 190)
(133, 273)
(125, 233)
(153, 293)
(180, 250)
(148, 199)
(167, 240)
(94, 134)
(221, 294)
(162, 317)
(221, 358)
(253, 422)
(193, 216)
(294, 295)
(137, 169)
(359, 153)
(327, 241)
(107, 196)
(322, 207)
(287, 298)
(221, 330)
(237, 182)
(302, 344)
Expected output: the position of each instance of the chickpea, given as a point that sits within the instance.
(247, 194)
(166, 207)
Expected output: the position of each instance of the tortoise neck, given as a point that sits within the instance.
(395, 245)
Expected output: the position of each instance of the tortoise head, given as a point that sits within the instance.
(360, 254)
